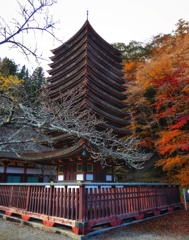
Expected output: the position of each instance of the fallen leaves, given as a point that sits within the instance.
(172, 226)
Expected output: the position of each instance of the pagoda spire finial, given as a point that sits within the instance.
(87, 14)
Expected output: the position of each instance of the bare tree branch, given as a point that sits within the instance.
(34, 17)
(33, 120)
(47, 171)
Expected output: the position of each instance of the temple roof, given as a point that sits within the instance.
(47, 156)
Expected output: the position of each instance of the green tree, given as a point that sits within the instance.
(8, 67)
(38, 76)
(23, 73)
(182, 27)
(33, 84)
(134, 51)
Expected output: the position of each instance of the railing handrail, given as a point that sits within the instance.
(83, 205)
(87, 184)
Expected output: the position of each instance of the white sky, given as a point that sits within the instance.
(114, 20)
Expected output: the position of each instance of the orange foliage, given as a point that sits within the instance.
(167, 74)
(129, 69)
(177, 168)
(151, 71)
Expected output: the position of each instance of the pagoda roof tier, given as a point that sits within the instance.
(108, 69)
(67, 62)
(105, 96)
(80, 68)
(85, 40)
(94, 92)
(97, 79)
(119, 132)
(102, 112)
(91, 57)
(73, 80)
(121, 112)
(79, 76)
(87, 30)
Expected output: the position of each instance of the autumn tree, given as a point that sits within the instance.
(8, 75)
(134, 54)
(172, 108)
(163, 81)
(157, 90)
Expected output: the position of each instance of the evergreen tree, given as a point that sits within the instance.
(8, 67)
(33, 84)
(23, 73)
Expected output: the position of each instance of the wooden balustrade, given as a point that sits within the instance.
(84, 205)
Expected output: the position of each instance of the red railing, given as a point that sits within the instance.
(85, 205)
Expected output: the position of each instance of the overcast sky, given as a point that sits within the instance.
(114, 20)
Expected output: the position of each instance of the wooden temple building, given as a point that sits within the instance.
(87, 62)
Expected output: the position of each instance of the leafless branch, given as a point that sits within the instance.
(33, 120)
(47, 171)
(34, 17)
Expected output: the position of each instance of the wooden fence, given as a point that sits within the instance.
(85, 205)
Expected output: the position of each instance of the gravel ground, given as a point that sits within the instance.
(174, 226)
(16, 231)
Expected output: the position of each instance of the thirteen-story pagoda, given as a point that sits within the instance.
(87, 62)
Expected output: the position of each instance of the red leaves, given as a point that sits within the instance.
(185, 147)
(171, 226)
(180, 122)
(158, 93)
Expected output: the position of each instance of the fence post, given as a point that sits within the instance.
(28, 198)
(26, 217)
(82, 204)
(10, 199)
(50, 201)
(82, 226)
(9, 213)
(49, 211)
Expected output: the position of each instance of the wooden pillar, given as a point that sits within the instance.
(82, 203)
(3, 177)
(82, 226)
(24, 177)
